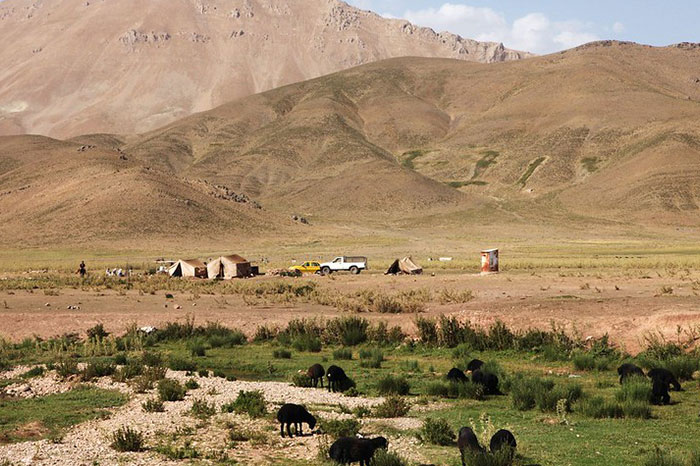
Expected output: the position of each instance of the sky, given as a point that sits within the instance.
(544, 26)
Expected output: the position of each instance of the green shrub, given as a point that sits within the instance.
(37, 371)
(129, 371)
(410, 366)
(120, 359)
(501, 457)
(468, 390)
(449, 332)
(127, 439)
(300, 379)
(230, 339)
(201, 409)
(347, 331)
(427, 330)
(153, 405)
(371, 358)
(251, 403)
(392, 406)
(528, 392)
(342, 354)
(583, 361)
(598, 408)
(203, 373)
(437, 432)
(634, 409)
(191, 384)
(500, 337)
(171, 390)
(152, 359)
(307, 343)
(97, 332)
(141, 384)
(282, 354)
(386, 458)
(173, 452)
(636, 388)
(382, 335)
(197, 348)
(177, 363)
(390, 385)
(361, 411)
(682, 367)
(66, 367)
(337, 428)
(439, 389)
(96, 370)
(264, 333)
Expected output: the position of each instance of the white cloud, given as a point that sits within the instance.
(534, 32)
(618, 28)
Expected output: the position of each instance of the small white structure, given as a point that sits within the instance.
(489, 261)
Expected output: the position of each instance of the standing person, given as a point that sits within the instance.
(82, 270)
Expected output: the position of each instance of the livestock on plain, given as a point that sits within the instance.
(316, 373)
(488, 381)
(337, 380)
(468, 442)
(290, 414)
(347, 450)
(456, 375)
(475, 365)
(628, 370)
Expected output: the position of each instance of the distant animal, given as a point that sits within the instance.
(336, 379)
(347, 450)
(628, 370)
(659, 392)
(467, 442)
(290, 414)
(316, 373)
(503, 439)
(475, 365)
(488, 381)
(665, 376)
(456, 375)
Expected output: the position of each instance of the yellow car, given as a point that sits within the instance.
(307, 267)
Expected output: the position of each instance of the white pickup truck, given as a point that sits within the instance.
(352, 264)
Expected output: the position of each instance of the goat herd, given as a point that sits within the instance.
(348, 450)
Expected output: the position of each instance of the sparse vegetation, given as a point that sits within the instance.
(127, 439)
(251, 403)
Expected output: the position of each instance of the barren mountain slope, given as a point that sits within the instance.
(609, 130)
(54, 192)
(122, 66)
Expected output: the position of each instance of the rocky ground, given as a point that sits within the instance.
(89, 443)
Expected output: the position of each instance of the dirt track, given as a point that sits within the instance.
(591, 306)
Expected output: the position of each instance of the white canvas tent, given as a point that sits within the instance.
(228, 267)
(188, 268)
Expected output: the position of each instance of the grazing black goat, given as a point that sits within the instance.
(665, 376)
(456, 375)
(475, 365)
(628, 370)
(503, 439)
(294, 414)
(336, 379)
(467, 442)
(659, 392)
(316, 373)
(488, 381)
(347, 450)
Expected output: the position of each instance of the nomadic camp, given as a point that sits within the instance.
(228, 267)
(404, 266)
(188, 268)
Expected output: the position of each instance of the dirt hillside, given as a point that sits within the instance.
(73, 67)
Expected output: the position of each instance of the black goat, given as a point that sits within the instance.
(348, 450)
(316, 373)
(488, 381)
(290, 414)
(336, 379)
(468, 443)
(503, 438)
(456, 375)
(628, 370)
(659, 392)
(475, 365)
(665, 376)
